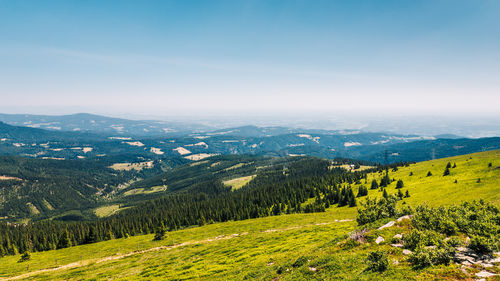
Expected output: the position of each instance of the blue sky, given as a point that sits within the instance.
(207, 57)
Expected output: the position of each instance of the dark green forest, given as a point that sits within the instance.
(281, 188)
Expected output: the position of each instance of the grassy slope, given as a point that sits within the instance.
(438, 189)
(266, 244)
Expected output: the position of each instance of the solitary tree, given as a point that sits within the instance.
(400, 184)
(429, 174)
(26, 256)
(160, 232)
(407, 194)
(448, 165)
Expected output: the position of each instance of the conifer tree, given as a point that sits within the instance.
(374, 184)
(400, 194)
(64, 240)
(385, 195)
(26, 256)
(446, 172)
(160, 232)
(400, 184)
(352, 201)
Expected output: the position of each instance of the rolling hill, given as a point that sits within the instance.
(264, 141)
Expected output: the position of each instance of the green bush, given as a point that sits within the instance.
(377, 261)
(454, 242)
(26, 256)
(424, 257)
(420, 258)
(300, 261)
(349, 244)
(417, 238)
(471, 218)
(374, 210)
(482, 245)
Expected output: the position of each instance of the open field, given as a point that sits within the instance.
(141, 190)
(238, 183)
(6, 178)
(200, 156)
(106, 211)
(351, 167)
(131, 166)
(271, 247)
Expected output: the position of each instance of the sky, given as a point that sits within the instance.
(191, 57)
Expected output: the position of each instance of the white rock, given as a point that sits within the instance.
(389, 224)
(398, 236)
(485, 273)
(495, 260)
(379, 240)
(407, 252)
(397, 245)
(313, 269)
(404, 218)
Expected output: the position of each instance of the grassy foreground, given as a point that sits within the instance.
(288, 247)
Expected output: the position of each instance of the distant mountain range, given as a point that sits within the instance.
(85, 136)
(84, 122)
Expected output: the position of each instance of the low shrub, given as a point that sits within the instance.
(418, 238)
(377, 261)
(26, 256)
(373, 210)
(482, 245)
(300, 261)
(426, 256)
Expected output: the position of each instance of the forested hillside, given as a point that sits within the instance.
(279, 188)
(44, 187)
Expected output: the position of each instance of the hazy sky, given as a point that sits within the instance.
(253, 57)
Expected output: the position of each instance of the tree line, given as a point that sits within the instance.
(276, 190)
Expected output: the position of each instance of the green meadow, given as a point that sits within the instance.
(285, 247)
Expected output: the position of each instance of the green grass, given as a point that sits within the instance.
(238, 183)
(441, 190)
(106, 211)
(137, 191)
(268, 245)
